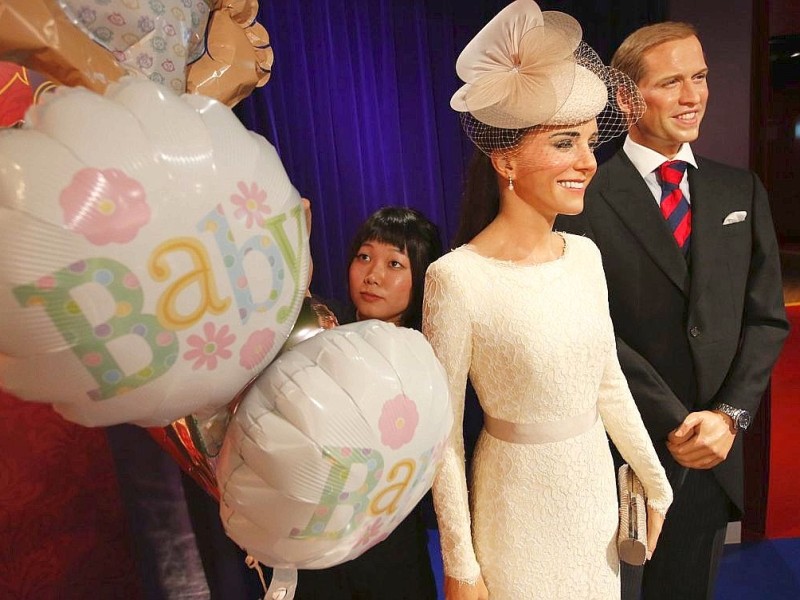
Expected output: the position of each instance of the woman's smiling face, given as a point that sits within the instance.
(553, 167)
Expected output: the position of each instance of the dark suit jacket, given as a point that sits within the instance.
(689, 336)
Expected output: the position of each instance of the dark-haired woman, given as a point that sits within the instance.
(387, 262)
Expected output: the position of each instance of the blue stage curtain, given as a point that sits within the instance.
(358, 105)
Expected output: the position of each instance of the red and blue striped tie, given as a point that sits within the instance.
(674, 205)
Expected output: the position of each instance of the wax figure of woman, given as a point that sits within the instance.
(388, 259)
(523, 311)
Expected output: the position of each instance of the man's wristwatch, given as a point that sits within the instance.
(741, 418)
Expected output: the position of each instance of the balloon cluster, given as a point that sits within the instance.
(155, 268)
(210, 47)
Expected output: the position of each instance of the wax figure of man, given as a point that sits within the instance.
(695, 292)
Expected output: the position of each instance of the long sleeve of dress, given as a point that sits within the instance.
(449, 332)
(624, 424)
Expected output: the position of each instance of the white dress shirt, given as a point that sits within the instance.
(647, 161)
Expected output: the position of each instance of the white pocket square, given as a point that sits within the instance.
(736, 216)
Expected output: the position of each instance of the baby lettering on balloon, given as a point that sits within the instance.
(99, 333)
(357, 499)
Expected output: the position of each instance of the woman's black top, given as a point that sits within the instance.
(398, 568)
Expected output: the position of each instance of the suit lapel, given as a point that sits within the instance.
(629, 196)
(708, 200)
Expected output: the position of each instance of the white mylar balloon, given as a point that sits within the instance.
(155, 255)
(337, 441)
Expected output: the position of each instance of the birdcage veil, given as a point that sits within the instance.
(530, 69)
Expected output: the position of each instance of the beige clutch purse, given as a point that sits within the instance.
(632, 534)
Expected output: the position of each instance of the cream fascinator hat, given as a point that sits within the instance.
(528, 68)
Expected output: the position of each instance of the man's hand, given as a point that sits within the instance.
(703, 440)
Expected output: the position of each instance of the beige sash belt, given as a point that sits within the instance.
(540, 433)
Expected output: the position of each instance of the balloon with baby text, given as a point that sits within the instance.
(195, 442)
(155, 255)
(337, 441)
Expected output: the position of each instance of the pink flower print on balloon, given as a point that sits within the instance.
(250, 203)
(116, 19)
(104, 206)
(206, 351)
(398, 421)
(373, 534)
(256, 348)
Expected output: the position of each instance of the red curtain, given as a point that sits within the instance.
(783, 517)
(62, 525)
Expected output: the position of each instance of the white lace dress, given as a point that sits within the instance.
(538, 344)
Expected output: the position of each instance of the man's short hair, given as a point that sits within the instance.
(629, 57)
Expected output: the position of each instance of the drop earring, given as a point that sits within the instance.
(510, 183)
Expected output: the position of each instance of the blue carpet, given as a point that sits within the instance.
(766, 570)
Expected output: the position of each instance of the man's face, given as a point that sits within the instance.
(675, 88)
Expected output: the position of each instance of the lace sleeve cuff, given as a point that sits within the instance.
(466, 576)
(660, 505)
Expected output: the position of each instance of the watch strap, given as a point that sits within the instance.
(733, 412)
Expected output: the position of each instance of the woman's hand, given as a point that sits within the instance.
(458, 590)
(306, 203)
(655, 521)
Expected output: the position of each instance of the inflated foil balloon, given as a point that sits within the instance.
(155, 255)
(16, 93)
(336, 442)
(177, 440)
(238, 56)
(157, 38)
(195, 441)
(224, 53)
